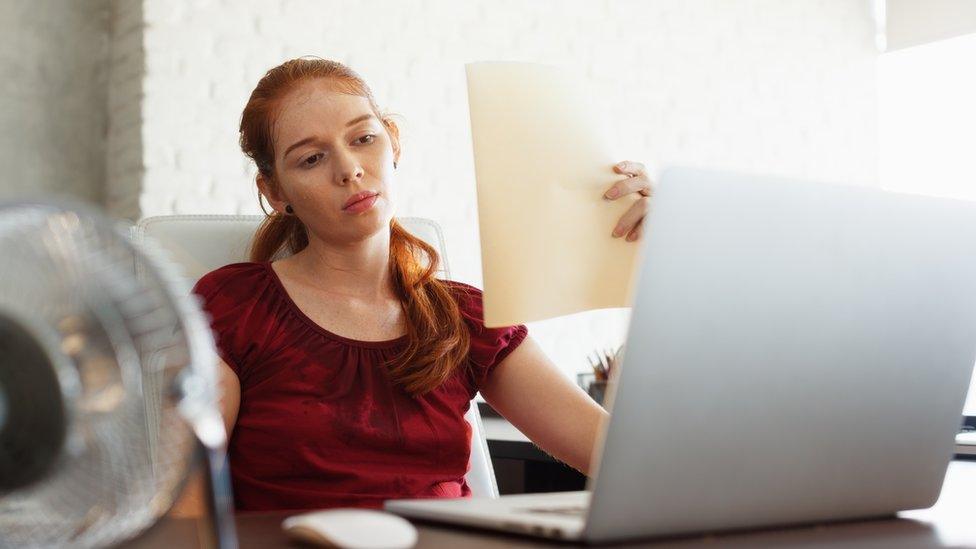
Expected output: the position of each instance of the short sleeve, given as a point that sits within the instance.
(489, 346)
(226, 295)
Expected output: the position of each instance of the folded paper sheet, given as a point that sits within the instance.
(542, 165)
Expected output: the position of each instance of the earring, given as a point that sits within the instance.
(394, 164)
(289, 210)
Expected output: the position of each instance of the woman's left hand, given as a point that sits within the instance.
(632, 222)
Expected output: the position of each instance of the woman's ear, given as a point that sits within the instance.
(394, 132)
(270, 192)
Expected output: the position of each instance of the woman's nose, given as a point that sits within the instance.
(350, 169)
(354, 174)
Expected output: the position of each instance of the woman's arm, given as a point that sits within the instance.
(230, 395)
(538, 399)
(192, 502)
(532, 393)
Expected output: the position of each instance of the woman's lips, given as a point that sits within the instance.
(360, 204)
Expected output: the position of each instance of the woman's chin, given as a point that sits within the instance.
(371, 222)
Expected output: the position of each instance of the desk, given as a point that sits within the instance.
(520, 466)
(950, 523)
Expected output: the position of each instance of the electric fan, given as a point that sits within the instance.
(107, 383)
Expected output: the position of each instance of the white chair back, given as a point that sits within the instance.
(202, 243)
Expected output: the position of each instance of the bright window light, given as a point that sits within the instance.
(927, 124)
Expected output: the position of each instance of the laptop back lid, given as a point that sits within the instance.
(798, 352)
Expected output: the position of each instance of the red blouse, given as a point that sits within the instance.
(320, 423)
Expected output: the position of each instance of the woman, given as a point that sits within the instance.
(347, 368)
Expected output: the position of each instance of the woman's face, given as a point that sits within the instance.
(333, 162)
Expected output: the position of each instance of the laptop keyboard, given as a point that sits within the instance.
(565, 510)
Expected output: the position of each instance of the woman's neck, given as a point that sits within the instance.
(358, 270)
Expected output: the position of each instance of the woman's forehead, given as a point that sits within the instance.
(317, 106)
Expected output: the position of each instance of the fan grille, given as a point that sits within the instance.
(122, 333)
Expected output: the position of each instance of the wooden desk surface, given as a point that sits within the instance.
(950, 523)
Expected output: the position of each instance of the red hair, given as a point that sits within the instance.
(438, 339)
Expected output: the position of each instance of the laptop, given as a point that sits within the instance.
(798, 353)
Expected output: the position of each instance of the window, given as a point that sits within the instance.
(927, 124)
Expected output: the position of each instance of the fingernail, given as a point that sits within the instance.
(617, 232)
(612, 193)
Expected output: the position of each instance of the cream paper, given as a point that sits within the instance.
(542, 164)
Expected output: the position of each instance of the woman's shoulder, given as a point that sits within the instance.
(489, 346)
(230, 296)
(236, 277)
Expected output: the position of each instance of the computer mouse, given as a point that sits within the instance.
(352, 529)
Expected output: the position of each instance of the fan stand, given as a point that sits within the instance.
(219, 498)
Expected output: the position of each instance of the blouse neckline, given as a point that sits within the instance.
(318, 328)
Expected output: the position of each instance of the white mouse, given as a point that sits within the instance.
(352, 529)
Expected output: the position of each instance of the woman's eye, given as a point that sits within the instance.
(368, 138)
(312, 160)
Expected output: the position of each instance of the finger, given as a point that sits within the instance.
(638, 184)
(631, 217)
(635, 233)
(630, 168)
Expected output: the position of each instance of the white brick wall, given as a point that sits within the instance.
(52, 98)
(759, 85)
